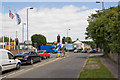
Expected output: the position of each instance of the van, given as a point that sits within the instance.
(7, 61)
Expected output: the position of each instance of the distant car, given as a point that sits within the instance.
(77, 50)
(99, 50)
(84, 51)
(43, 54)
(92, 51)
(28, 57)
(7, 61)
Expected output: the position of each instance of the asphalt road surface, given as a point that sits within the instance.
(68, 67)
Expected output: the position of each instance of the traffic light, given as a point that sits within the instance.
(58, 39)
(16, 41)
(63, 40)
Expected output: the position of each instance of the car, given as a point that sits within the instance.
(43, 54)
(84, 51)
(77, 50)
(28, 57)
(92, 51)
(7, 61)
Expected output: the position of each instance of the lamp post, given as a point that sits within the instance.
(67, 34)
(23, 32)
(27, 22)
(102, 4)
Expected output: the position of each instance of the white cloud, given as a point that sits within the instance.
(50, 22)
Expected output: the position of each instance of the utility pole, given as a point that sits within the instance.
(103, 8)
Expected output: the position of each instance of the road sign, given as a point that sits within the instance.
(69, 47)
(28, 42)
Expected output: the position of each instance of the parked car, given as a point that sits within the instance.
(77, 50)
(84, 51)
(44, 54)
(99, 50)
(92, 51)
(28, 57)
(7, 61)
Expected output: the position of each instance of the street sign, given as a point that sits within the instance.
(69, 47)
(28, 42)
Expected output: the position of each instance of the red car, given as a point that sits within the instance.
(43, 54)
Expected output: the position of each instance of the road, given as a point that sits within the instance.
(68, 67)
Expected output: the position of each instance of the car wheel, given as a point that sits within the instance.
(18, 66)
(40, 59)
(31, 61)
(46, 57)
(49, 56)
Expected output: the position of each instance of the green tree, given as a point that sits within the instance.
(104, 29)
(37, 40)
(6, 39)
(68, 39)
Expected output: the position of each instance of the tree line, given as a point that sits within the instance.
(104, 29)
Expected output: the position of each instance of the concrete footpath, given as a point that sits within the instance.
(108, 63)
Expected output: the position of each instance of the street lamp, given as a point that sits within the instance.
(27, 21)
(67, 34)
(23, 32)
(102, 4)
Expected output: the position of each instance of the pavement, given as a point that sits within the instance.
(68, 67)
(109, 64)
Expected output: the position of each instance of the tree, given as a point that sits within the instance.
(104, 29)
(6, 39)
(68, 39)
(37, 40)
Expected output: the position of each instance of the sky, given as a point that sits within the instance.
(49, 18)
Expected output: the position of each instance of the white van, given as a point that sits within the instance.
(7, 61)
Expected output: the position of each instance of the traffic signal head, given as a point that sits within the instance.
(16, 41)
(58, 39)
(63, 40)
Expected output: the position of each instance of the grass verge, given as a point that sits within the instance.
(102, 72)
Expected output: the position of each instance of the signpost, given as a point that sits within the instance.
(28, 42)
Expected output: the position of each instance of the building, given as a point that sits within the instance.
(79, 45)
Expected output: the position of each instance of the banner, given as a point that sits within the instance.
(18, 18)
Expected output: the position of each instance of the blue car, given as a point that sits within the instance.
(28, 57)
(84, 51)
(92, 51)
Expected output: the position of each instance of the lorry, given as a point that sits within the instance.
(48, 48)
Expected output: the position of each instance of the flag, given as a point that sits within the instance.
(11, 15)
(18, 18)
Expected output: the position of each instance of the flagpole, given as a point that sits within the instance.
(9, 42)
(14, 44)
(3, 26)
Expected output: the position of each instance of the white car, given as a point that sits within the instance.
(7, 61)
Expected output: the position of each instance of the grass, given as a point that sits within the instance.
(102, 72)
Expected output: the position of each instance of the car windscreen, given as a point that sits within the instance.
(40, 51)
(23, 53)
